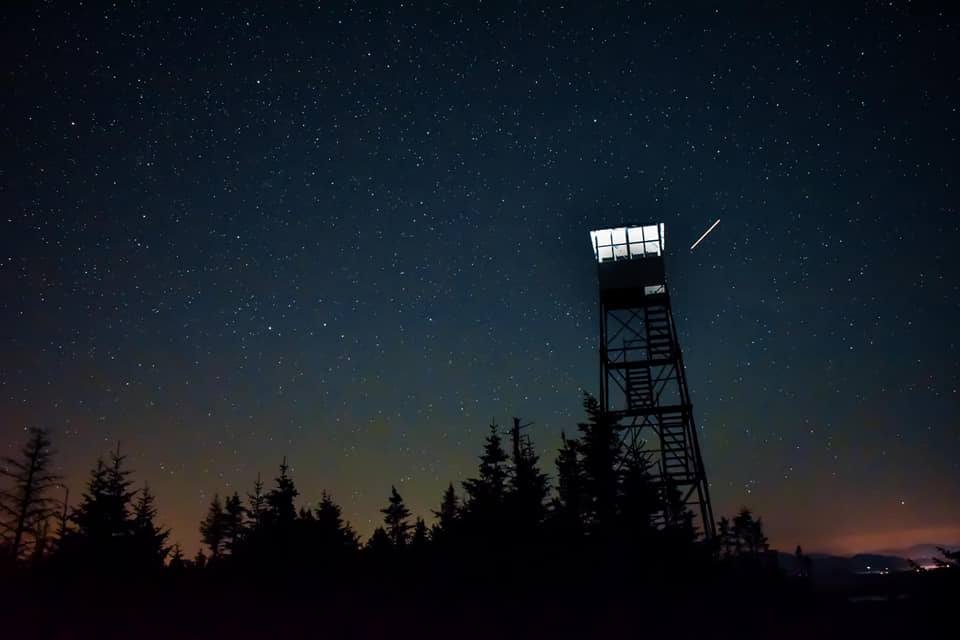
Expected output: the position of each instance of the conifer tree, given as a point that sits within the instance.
(257, 504)
(638, 499)
(102, 524)
(748, 535)
(419, 541)
(212, 528)
(484, 502)
(149, 540)
(379, 543)
(569, 505)
(528, 486)
(233, 514)
(599, 450)
(26, 507)
(333, 532)
(448, 515)
(724, 537)
(176, 557)
(395, 517)
(119, 493)
(282, 510)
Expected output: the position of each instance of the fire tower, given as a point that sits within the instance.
(642, 380)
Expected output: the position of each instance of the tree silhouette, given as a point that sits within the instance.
(25, 508)
(100, 537)
(212, 528)
(282, 511)
(749, 533)
(379, 543)
(599, 454)
(419, 542)
(395, 517)
(528, 487)
(176, 558)
(332, 532)
(725, 541)
(568, 505)
(233, 514)
(638, 498)
(742, 538)
(257, 505)
(148, 540)
(448, 516)
(484, 502)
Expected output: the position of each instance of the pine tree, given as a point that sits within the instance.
(395, 518)
(484, 502)
(638, 499)
(25, 508)
(747, 540)
(149, 541)
(101, 534)
(233, 514)
(257, 504)
(725, 537)
(119, 494)
(333, 532)
(419, 541)
(528, 486)
(176, 558)
(448, 515)
(569, 505)
(379, 543)
(282, 510)
(212, 528)
(599, 449)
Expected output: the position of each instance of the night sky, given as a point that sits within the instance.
(353, 236)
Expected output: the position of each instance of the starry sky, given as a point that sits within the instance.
(354, 234)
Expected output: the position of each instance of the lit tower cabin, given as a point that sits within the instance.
(643, 385)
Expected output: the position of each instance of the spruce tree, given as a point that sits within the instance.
(149, 540)
(569, 504)
(233, 513)
(333, 533)
(528, 486)
(395, 517)
(639, 501)
(282, 511)
(119, 494)
(257, 504)
(485, 495)
(101, 534)
(599, 448)
(448, 515)
(419, 541)
(379, 543)
(176, 558)
(26, 507)
(212, 528)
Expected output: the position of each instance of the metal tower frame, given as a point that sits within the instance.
(643, 383)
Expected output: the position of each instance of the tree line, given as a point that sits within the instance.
(605, 500)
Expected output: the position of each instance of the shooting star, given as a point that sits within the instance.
(705, 234)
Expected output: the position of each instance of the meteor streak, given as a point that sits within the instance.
(705, 234)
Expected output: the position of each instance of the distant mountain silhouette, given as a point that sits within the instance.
(826, 566)
(920, 553)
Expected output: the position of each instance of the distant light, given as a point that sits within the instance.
(627, 243)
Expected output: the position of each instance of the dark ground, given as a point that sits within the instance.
(192, 606)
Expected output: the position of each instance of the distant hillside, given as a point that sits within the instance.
(826, 566)
(922, 554)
